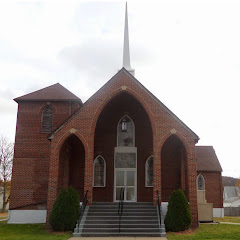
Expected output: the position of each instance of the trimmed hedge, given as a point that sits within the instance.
(65, 210)
(178, 217)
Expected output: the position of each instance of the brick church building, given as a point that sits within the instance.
(122, 136)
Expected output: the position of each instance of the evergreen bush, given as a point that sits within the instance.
(178, 217)
(64, 214)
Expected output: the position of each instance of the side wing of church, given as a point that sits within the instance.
(121, 137)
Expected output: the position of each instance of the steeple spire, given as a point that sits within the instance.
(126, 52)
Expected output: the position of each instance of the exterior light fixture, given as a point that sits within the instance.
(124, 125)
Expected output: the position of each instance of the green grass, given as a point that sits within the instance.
(228, 219)
(29, 232)
(210, 231)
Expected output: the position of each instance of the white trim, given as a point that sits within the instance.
(200, 175)
(124, 150)
(94, 162)
(218, 212)
(133, 129)
(125, 170)
(27, 216)
(146, 172)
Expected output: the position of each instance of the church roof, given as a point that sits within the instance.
(123, 70)
(207, 159)
(55, 92)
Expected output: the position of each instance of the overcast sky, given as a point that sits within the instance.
(187, 53)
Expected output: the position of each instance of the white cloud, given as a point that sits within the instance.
(185, 53)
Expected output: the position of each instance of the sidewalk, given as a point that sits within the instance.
(229, 223)
(118, 238)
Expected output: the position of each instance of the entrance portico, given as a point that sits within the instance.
(123, 137)
(158, 135)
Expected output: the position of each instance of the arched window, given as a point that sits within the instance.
(126, 132)
(99, 172)
(47, 119)
(200, 182)
(149, 172)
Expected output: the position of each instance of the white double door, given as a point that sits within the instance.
(126, 178)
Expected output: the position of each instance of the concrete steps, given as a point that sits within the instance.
(138, 219)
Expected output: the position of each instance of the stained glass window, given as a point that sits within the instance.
(200, 182)
(99, 172)
(126, 132)
(47, 119)
(149, 172)
(125, 160)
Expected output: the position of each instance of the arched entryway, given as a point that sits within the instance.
(173, 167)
(71, 165)
(123, 110)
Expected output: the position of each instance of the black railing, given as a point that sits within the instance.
(159, 207)
(120, 207)
(82, 208)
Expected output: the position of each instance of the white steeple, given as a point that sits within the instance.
(126, 52)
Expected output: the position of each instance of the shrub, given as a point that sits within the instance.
(178, 217)
(64, 214)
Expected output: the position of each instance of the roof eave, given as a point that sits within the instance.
(47, 100)
(195, 136)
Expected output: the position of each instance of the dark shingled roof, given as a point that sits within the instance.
(207, 159)
(54, 92)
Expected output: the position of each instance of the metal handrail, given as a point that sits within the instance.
(120, 206)
(82, 209)
(159, 207)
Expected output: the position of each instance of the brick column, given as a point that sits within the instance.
(156, 172)
(192, 188)
(88, 176)
(53, 180)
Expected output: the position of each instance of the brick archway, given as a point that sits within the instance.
(114, 94)
(190, 171)
(56, 167)
(121, 104)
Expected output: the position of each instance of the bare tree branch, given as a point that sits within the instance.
(6, 159)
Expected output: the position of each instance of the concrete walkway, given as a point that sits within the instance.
(118, 238)
(229, 223)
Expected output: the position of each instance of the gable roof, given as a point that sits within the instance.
(207, 159)
(123, 70)
(55, 92)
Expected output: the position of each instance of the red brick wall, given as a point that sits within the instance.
(162, 123)
(214, 188)
(32, 152)
(106, 140)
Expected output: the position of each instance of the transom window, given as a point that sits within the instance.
(47, 119)
(149, 172)
(200, 182)
(125, 160)
(126, 132)
(99, 174)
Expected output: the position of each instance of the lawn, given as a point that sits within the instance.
(29, 232)
(228, 219)
(3, 215)
(210, 231)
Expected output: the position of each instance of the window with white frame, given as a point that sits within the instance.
(149, 172)
(200, 182)
(99, 172)
(47, 119)
(126, 132)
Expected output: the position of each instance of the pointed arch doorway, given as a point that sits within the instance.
(126, 153)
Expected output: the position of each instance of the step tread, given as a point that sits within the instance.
(138, 219)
